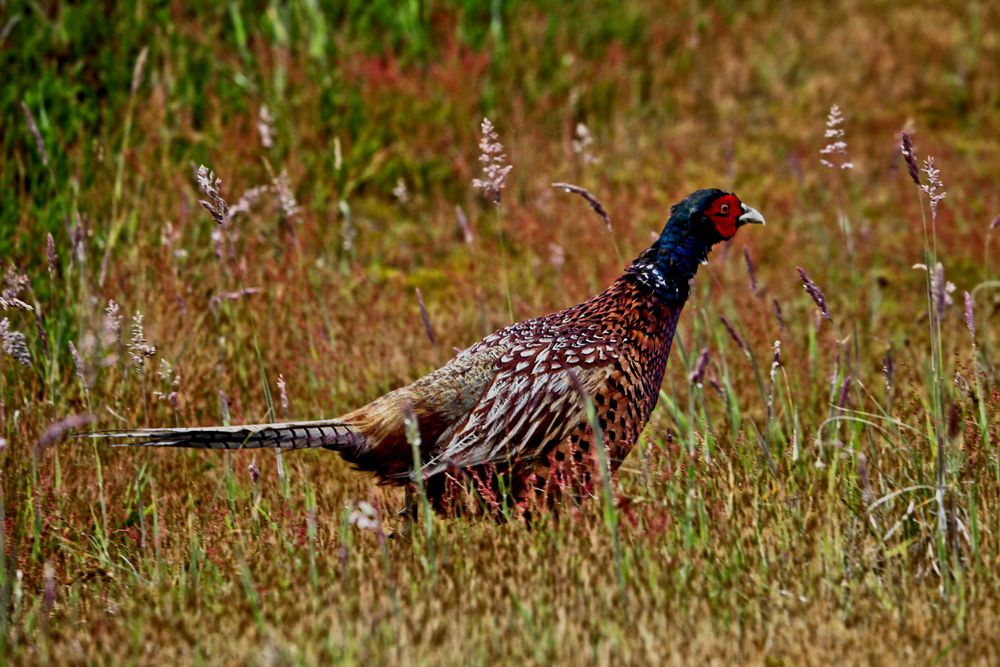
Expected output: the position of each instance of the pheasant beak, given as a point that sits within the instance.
(750, 216)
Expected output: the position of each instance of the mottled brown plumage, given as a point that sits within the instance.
(507, 406)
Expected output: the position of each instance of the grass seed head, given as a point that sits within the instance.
(14, 283)
(594, 203)
(211, 186)
(78, 365)
(582, 143)
(836, 147)
(970, 315)
(495, 167)
(934, 187)
(735, 334)
(265, 126)
(697, 375)
(14, 344)
(815, 293)
(112, 324)
(139, 348)
(910, 157)
(50, 253)
(778, 315)
(283, 394)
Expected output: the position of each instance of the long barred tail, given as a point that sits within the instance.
(297, 435)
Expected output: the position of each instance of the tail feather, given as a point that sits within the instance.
(331, 434)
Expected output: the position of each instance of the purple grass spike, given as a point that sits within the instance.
(970, 315)
(815, 292)
(910, 157)
(595, 204)
(735, 334)
(697, 375)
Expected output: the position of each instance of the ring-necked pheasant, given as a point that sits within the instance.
(508, 404)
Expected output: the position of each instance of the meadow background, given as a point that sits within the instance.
(839, 504)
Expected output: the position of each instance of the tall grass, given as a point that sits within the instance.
(832, 492)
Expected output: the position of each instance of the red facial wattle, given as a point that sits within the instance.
(725, 213)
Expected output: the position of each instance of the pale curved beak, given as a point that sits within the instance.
(751, 216)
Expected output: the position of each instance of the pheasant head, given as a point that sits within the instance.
(696, 223)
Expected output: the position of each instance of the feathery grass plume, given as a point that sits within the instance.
(581, 144)
(248, 200)
(557, 256)
(234, 295)
(970, 315)
(934, 188)
(836, 147)
(463, 223)
(78, 366)
(112, 324)
(735, 334)
(287, 202)
(697, 375)
(50, 253)
(14, 283)
(940, 289)
(139, 348)
(815, 293)
(283, 394)
(910, 157)
(400, 192)
(140, 64)
(426, 318)
(495, 167)
(211, 186)
(14, 344)
(590, 199)
(265, 126)
(33, 128)
(171, 381)
(750, 270)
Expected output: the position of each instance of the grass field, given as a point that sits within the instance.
(839, 504)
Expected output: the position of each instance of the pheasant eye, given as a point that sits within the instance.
(724, 209)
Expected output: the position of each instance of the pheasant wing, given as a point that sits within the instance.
(531, 404)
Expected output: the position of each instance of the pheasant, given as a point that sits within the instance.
(510, 405)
